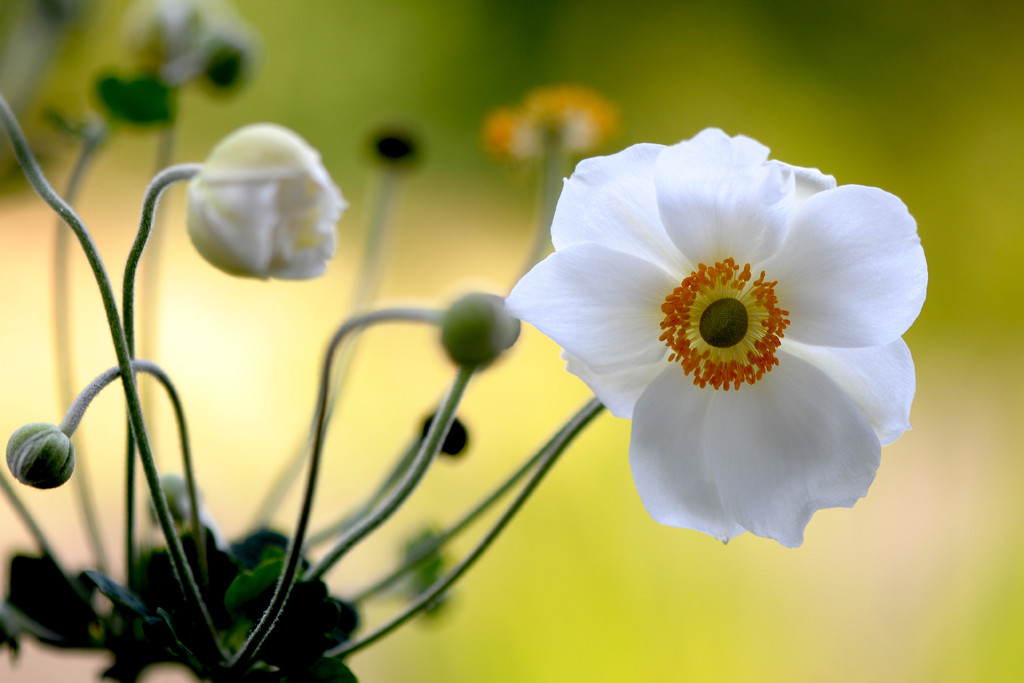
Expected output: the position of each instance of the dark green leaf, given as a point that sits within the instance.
(327, 670)
(249, 593)
(143, 100)
(41, 593)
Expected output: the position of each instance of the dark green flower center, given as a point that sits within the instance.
(724, 323)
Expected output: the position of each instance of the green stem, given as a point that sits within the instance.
(250, 648)
(92, 135)
(366, 286)
(549, 189)
(81, 403)
(428, 449)
(160, 182)
(552, 450)
(406, 459)
(441, 539)
(30, 522)
(34, 174)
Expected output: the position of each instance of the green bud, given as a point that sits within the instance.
(41, 455)
(477, 328)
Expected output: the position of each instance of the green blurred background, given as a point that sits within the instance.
(923, 580)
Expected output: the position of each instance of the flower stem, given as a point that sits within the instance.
(551, 451)
(428, 449)
(160, 182)
(549, 188)
(34, 174)
(439, 540)
(366, 286)
(406, 459)
(92, 135)
(76, 412)
(250, 648)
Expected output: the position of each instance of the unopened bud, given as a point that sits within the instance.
(41, 455)
(476, 329)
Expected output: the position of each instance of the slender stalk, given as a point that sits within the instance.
(36, 178)
(151, 273)
(92, 135)
(250, 648)
(30, 523)
(160, 182)
(81, 403)
(552, 450)
(428, 449)
(366, 286)
(441, 539)
(549, 188)
(392, 478)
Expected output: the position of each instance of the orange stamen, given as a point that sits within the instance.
(746, 361)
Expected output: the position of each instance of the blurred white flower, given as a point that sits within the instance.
(747, 315)
(264, 205)
(183, 39)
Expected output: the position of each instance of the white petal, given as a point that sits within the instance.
(718, 199)
(852, 271)
(618, 390)
(787, 446)
(610, 201)
(600, 305)
(879, 379)
(668, 454)
(808, 180)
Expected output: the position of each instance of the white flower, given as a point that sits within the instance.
(264, 205)
(181, 39)
(747, 315)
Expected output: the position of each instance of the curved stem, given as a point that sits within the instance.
(92, 135)
(250, 648)
(552, 450)
(160, 182)
(428, 449)
(438, 541)
(366, 286)
(76, 411)
(34, 174)
(392, 478)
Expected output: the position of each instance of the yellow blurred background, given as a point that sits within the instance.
(921, 581)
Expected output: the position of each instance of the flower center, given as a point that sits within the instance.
(723, 323)
(722, 326)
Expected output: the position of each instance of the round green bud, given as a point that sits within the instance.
(41, 455)
(476, 329)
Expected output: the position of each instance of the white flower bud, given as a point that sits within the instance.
(264, 206)
(40, 455)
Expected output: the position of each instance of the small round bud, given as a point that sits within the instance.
(41, 455)
(395, 146)
(477, 328)
(456, 440)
